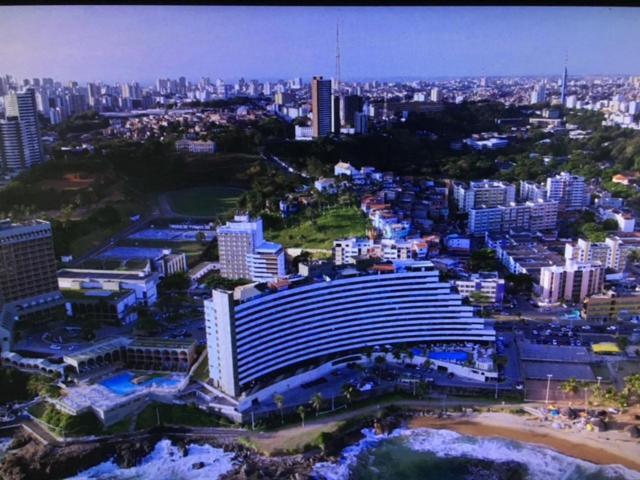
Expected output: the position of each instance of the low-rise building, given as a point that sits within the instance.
(486, 283)
(103, 305)
(195, 146)
(611, 307)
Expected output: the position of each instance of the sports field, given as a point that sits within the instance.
(204, 201)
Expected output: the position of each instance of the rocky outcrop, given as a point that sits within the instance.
(28, 459)
(252, 466)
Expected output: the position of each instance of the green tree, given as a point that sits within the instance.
(348, 391)
(484, 260)
(316, 402)
(570, 386)
(302, 412)
(279, 401)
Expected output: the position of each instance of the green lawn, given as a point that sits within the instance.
(176, 415)
(331, 225)
(204, 201)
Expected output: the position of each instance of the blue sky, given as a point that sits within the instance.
(145, 42)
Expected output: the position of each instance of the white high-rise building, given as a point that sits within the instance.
(539, 94)
(21, 108)
(570, 191)
(244, 253)
(436, 95)
(483, 193)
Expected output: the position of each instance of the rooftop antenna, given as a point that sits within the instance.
(337, 86)
(563, 97)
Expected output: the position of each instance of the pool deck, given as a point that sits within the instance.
(81, 397)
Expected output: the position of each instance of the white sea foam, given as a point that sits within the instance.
(542, 463)
(166, 462)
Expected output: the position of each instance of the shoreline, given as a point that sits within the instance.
(601, 449)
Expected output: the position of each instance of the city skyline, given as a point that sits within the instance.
(87, 43)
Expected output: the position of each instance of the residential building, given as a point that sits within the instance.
(195, 146)
(530, 216)
(486, 283)
(574, 281)
(487, 193)
(259, 332)
(244, 253)
(20, 139)
(347, 251)
(625, 219)
(539, 94)
(436, 95)
(531, 191)
(570, 191)
(611, 306)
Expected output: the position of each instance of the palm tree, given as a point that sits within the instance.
(279, 401)
(571, 386)
(316, 402)
(348, 391)
(302, 412)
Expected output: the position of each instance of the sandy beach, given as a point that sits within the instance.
(602, 448)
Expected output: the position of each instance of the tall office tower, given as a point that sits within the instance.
(539, 94)
(335, 114)
(26, 82)
(570, 191)
(321, 107)
(182, 86)
(563, 97)
(23, 107)
(3, 87)
(36, 82)
(47, 82)
(352, 105)
(245, 254)
(483, 194)
(28, 279)
(436, 95)
(361, 123)
(93, 95)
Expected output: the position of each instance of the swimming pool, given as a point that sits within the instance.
(122, 383)
(456, 356)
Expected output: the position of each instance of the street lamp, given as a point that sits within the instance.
(549, 375)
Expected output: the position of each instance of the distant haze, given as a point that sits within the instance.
(119, 43)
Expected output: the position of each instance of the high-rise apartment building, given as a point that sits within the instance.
(245, 254)
(21, 108)
(436, 95)
(321, 107)
(531, 216)
(539, 94)
(572, 282)
(483, 193)
(570, 191)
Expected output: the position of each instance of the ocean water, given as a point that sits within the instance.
(166, 462)
(429, 454)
